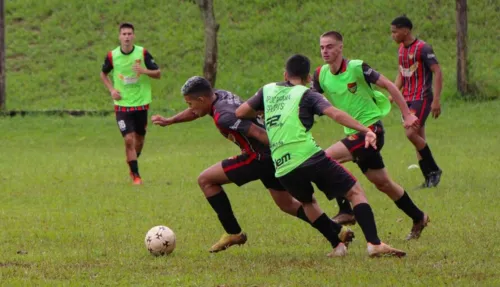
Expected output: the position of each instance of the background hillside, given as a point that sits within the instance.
(55, 48)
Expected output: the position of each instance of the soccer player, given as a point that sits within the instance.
(132, 67)
(347, 84)
(289, 108)
(417, 64)
(254, 162)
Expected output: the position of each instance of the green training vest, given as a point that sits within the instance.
(349, 92)
(134, 89)
(290, 143)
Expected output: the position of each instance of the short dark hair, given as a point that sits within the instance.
(196, 87)
(126, 25)
(334, 34)
(298, 66)
(402, 22)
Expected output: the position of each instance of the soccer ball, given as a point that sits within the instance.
(160, 240)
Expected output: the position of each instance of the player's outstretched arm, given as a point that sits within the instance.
(409, 119)
(258, 133)
(399, 81)
(185, 116)
(346, 120)
(252, 107)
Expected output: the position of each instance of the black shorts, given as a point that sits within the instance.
(133, 121)
(421, 109)
(366, 158)
(245, 168)
(328, 175)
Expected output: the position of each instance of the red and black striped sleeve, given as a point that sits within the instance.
(427, 55)
(229, 121)
(149, 61)
(108, 63)
(315, 86)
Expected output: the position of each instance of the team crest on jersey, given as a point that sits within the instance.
(352, 137)
(353, 87)
(408, 72)
(410, 56)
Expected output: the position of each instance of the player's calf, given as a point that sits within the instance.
(366, 220)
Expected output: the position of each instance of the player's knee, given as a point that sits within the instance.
(382, 183)
(129, 141)
(411, 132)
(286, 202)
(203, 181)
(356, 194)
(139, 140)
(384, 186)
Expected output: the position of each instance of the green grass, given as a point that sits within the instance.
(67, 202)
(55, 48)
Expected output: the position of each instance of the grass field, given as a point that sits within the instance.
(55, 48)
(70, 217)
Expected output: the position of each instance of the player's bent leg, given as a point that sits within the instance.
(212, 179)
(131, 155)
(430, 170)
(366, 220)
(139, 144)
(210, 182)
(129, 140)
(288, 204)
(380, 178)
(413, 135)
(140, 125)
(338, 236)
(299, 185)
(340, 153)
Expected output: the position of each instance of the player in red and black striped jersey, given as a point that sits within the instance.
(417, 65)
(254, 162)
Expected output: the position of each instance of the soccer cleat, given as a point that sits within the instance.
(434, 178)
(346, 236)
(384, 250)
(136, 179)
(228, 240)
(425, 184)
(344, 219)
(417, 228)
(339, 251)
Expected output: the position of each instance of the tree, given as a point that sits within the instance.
(2, 56)
(211, 29)
(462, 72)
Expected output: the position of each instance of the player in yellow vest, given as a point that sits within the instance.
(347, 84)
(132, 67)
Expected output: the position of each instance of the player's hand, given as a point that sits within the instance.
(371, 140)
(411, 121)
(115, 94)
(161, 121)
(138, 69)
(436, 108)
